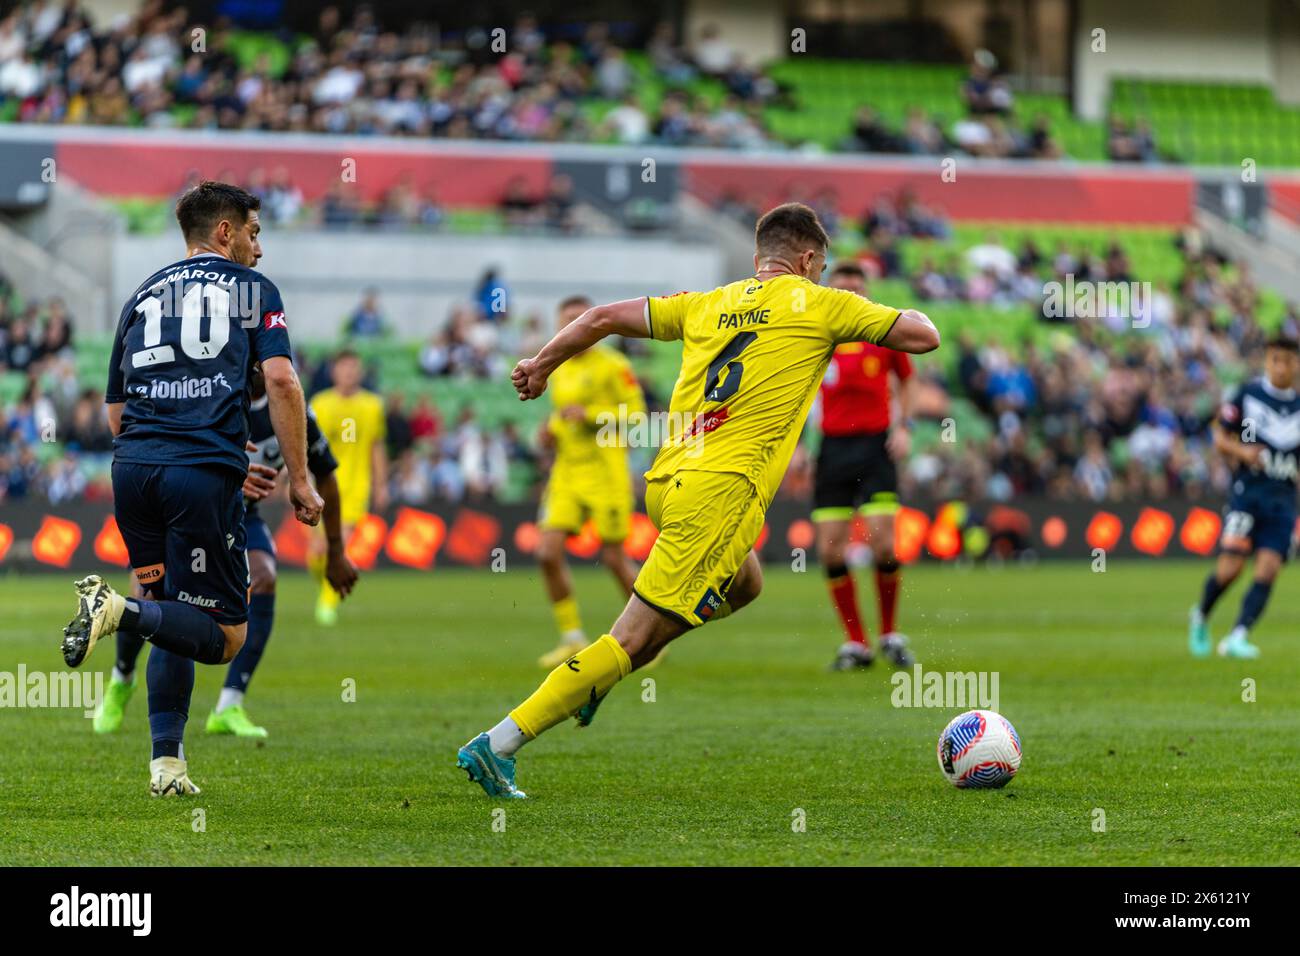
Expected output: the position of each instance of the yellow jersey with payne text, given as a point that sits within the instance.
(753, 355)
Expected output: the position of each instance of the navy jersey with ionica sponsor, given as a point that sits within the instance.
(1270, 417)
(320, 459)
(185, 345)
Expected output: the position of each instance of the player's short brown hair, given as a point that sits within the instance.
(847, 267)
(205, 205)
(570, 301)
(1283, 342)
(789, 229)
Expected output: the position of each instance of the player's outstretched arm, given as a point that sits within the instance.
(288, 409)
(617, 318)
(913, 332)
(339, 571)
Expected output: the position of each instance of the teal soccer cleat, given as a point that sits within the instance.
(1198, 633)
(496, 775)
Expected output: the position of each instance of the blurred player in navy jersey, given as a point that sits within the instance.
(857, 474)
(265, 463)
(1258, 430)
(178, 405)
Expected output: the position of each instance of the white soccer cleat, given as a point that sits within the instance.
(99, 610)
(169, 777)
(1235, 645)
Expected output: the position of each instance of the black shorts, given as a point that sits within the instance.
(184, 531)
(854, 472)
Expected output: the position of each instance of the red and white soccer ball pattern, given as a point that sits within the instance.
(979, 750)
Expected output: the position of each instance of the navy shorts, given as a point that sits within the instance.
(184, 531)
(257, 536)
(1252, 522)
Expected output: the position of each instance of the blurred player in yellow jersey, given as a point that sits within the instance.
(352, 419)
(753, 356)
(589, 479)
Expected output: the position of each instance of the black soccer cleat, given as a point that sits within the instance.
(894, 647)
(853, 657)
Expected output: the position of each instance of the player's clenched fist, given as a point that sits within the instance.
(528, 379)
(307, 505)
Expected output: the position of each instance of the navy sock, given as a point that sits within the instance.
(261, 615)
(1212, 592)
(129, 646)
(175, 627)
(1252, 605)
(171, 683)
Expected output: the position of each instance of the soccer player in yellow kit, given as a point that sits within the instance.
(753, 355)
(589, 479)
(352, 420)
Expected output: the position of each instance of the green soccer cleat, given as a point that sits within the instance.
(587, 712)
(496, 775)
(111, 710)
(1198, 633)
(99, 609)
(1237, 647)
(234, 720)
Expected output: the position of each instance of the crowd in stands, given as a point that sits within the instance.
(1117, 407)
(355, 75)
(56, 440)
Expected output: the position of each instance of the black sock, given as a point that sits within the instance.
(171, 683)
(175, 627)
(129, 645)
(1252, 605)
(261, 615)
(1211, 593)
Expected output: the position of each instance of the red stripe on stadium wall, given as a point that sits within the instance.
(156, 169)
(1058, 195)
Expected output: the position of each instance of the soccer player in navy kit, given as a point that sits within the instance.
(178, 402)
(265, 463)
(1258, 429)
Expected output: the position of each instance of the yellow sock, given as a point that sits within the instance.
(567, 618)
(328, 596)
(589, 673)
(316, 566)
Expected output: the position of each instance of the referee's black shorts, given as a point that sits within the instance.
(854, 473)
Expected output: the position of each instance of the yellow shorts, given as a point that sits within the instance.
(708, 523)
(567, 506)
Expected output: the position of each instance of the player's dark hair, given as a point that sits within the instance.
(1284, 342)
(573, 300)
(789, 229)
(205, 205)
(848, 267)
(347, 354)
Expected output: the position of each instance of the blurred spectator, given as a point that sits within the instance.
(367, 321)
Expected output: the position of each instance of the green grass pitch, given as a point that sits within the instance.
(745, 730)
